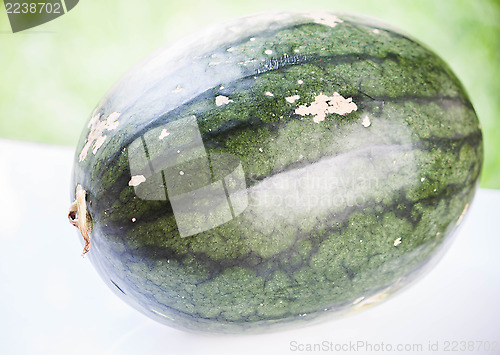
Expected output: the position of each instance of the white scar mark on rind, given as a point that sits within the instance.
(163, 134)
(324, 18)
(366, 122)
(463, 214)
(324, 104)
(177, 89)
(96, 135)
(222, 100)
(292, 99)
(136, 180)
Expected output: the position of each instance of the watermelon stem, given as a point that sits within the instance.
(79, 217)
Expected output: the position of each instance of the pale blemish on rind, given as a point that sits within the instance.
(163, 134)
(96, 135)
(324, 18)
(222, 100)
(177, 89)
(366, 122)
(324, 104)
(292, 99)
(357, 300)
(161, 314)
(462, 215)
(370, 301)
(136, 180)
(276, 63)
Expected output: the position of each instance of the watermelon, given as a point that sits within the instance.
(274, 170)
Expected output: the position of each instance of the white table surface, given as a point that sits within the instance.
(53, 302)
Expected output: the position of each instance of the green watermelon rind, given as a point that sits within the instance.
(411, 173)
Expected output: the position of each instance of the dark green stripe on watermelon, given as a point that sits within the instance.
(404, 167)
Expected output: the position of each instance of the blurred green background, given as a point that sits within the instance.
(53, 75)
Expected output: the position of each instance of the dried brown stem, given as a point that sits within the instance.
(78, 217)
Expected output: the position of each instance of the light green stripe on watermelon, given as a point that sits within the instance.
(359, 203)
